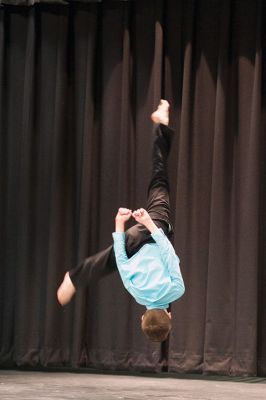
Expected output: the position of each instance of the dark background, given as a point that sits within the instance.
(78, 82)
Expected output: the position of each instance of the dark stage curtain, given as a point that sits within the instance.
(78, 83)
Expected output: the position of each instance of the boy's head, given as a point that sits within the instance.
(156, 324)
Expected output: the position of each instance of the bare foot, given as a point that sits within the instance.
(161, 115)
(66, 290)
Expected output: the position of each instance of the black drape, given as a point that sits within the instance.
(78, 83)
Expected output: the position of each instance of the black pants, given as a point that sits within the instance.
(102, 263)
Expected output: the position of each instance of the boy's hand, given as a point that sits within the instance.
(122, 216)
(143, 217)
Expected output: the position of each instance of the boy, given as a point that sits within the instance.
(145, 258)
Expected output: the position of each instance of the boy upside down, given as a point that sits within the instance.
(145, 258)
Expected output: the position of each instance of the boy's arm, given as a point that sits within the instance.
(121, 218)
(167, 251)
(119, 248)
(171, 260)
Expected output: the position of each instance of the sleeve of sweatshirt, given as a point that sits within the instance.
(121, 257)
(169, 258)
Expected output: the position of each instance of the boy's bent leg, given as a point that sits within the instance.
(89, 270)
(66, 290)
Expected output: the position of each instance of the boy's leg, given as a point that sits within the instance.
(88, 271)
(158, 191)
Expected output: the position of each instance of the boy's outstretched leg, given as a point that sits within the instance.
(158, 191)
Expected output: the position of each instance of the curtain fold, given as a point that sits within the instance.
(77, 87)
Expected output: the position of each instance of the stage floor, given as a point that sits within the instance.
(25, 385)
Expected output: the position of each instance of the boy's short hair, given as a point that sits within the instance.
(156, 325)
